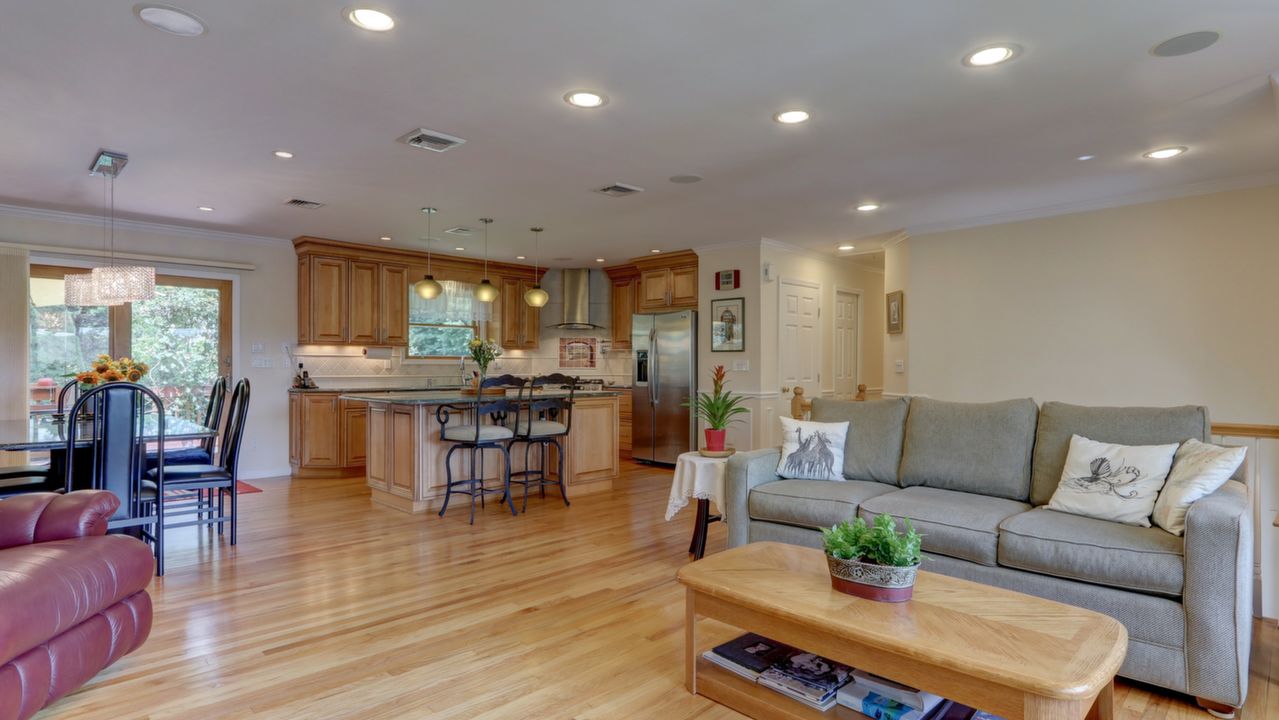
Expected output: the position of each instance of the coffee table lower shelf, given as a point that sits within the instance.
(757, 701)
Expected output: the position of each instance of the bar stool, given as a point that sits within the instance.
(543, 424)
(477, 437)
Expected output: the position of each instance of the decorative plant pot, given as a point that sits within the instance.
(715, 439)
(884, 583)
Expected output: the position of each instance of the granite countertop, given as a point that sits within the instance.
(448, 397)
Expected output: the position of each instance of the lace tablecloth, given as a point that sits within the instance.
(697, 477)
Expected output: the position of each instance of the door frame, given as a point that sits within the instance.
(861, 297)
(781, 299)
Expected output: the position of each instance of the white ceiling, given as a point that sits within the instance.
(693, 86)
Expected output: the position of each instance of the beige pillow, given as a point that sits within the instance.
(1112, 482)
(1198, 470)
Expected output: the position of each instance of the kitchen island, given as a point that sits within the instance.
(404, 456)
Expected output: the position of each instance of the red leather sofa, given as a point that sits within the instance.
(73, 599)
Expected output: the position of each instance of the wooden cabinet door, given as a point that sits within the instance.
(395, 305)
(355, 422)
(295, 429)
(304, 301)
(683, 281)
(377, 467)
(363, 299)
(530, 319)
(594, 446)
(321, 430)
(402, 448)
(328, 300)
(512, 299)
(655, 289)
(623, 307)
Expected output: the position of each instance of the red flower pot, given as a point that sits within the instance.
(715, 439)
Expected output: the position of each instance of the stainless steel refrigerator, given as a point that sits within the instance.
(663, 377)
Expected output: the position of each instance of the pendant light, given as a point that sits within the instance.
(486, 291)
(118, 284)
(427, 288)
(536, 296)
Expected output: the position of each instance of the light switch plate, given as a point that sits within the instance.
(257, 348)
(262, 362)
(899, 366)
(741, 365)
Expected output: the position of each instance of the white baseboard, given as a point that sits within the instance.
(285, 471)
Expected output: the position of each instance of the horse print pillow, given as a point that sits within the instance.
(812, 450)
(1112, 482)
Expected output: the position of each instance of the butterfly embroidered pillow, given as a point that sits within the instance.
(812, 450)
(1119, 483)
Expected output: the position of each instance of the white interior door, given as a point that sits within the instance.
(845, 345)
(799, 336)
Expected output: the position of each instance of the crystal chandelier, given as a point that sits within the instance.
(536, 296)
(428, 288)
(486, 291)
(111, 284)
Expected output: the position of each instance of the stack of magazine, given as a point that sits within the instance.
(821, 683)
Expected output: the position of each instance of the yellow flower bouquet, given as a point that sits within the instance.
(106, 370)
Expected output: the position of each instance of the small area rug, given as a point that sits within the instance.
(243, 488)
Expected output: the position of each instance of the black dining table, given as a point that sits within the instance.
(48, 432)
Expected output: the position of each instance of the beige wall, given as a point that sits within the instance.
(745, 258)
(897, 346)
(1155, 304)
(265, 311)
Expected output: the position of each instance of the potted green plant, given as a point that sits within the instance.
(717, 409)
(873, 561)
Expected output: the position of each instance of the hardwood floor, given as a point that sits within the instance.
(333, 608)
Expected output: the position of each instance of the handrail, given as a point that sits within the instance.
(1243, 430)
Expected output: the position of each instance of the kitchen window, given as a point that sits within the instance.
(442, 327)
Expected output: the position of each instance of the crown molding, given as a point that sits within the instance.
(142, 226)
(1206, 187)
(754, 244)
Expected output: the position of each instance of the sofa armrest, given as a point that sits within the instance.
(42, 517)
(745, 471)
(1218, 594)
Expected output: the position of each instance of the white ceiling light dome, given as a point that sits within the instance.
(1165, 153)
(992, 55)
(172, 20)
(792, 117)
(369, 19)
(586, 99)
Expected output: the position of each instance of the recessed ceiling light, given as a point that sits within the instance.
(868, 207)
(685, 179)
(1186, 44)
(846, 247)
(599, 259)
(385, 238)
(991, 55)
(283, 154)
(459, 249)
(654, 251)
(174, 21)
(205, 208)
(370, 19)
(791, 117)
(1165, 153)
(519, 257)
(585, 99)
(1085, 157)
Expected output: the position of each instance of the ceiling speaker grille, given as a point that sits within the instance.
(307, 204)
(459, 230)
(619, 190)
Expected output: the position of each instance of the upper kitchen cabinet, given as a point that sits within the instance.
(664, 282)
(521, 324)
(624, 281)
(322, 294)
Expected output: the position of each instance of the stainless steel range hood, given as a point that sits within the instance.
(576, 285)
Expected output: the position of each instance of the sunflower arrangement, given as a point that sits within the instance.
(106, 370)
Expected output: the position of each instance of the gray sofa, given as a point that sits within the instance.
(973, 479)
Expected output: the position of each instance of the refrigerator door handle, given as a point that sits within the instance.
(656, 368)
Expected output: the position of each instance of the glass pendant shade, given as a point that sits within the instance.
(118, 284)
(485, 291)
(428, 288)
(536, 296)
(78, 290)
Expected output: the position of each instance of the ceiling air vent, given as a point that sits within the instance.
(619, 190)
(430, 140)
(307, 204)
(459, 230)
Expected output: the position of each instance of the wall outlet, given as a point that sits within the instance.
(257, 348)
(262, 362)
(741, 365)
(899, 367)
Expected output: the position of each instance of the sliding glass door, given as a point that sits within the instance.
(183, 333)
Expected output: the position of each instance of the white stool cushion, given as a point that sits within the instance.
(466, 433)
(542, 427)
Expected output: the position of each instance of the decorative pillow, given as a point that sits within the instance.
(1112, 482)
(812, 450)
(1198, 469)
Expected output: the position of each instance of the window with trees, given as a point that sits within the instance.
(443, 326)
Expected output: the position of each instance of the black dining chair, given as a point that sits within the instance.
(117, 430)
(542, 424)
(18, 479)
(475, 436)
(201, 454)
(218, 479)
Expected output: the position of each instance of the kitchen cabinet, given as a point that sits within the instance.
(327, 436)
(395, 304)
(521, 324)
(660, 283)
(345, 301)
(622, 307)
(363, 298)
(624, 426)
(325, 305)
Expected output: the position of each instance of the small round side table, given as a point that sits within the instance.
(702, 479)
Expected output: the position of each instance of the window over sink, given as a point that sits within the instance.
(441, 327)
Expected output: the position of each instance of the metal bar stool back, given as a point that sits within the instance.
(544, 423)
(475, 436)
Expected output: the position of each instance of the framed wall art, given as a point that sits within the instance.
(896, 307)
(728, 325)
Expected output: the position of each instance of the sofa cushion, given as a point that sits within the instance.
(1119, 425)
(1045, 541)
(981, 448)
(957, 524)
(873, 449)
(812, 503)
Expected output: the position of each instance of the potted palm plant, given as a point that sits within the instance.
(717, 409)
(873, 561)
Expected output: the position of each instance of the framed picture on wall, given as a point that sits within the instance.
(728, 325)
(896, 307)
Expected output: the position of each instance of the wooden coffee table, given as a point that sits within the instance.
(1014, 655)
